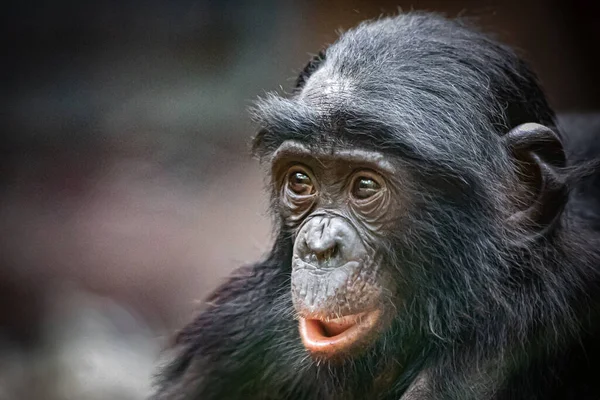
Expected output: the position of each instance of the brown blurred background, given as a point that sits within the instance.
(126, 188)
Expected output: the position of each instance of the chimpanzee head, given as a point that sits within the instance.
(410, 168)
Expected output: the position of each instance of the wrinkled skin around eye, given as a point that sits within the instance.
(298, 194)
(370, 201)
(297, 206)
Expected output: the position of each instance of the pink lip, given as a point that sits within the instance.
(332, 337)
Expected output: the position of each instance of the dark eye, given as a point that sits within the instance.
(300, 183)
(365, 187)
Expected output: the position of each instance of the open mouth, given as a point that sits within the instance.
(336, 336)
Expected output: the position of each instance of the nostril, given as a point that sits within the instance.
(328, 254)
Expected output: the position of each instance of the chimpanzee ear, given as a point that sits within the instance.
(539, 157)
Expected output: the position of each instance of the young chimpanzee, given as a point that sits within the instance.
(435, 239)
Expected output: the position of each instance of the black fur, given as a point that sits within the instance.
(311, 67)
(491, 311)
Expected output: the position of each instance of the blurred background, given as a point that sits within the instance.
(126, 188)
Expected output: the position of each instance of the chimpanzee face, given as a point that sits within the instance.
(338, 204)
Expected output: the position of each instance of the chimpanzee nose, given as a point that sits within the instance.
(325, 241)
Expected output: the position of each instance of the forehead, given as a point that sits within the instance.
(327, 89)
(291, 149)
